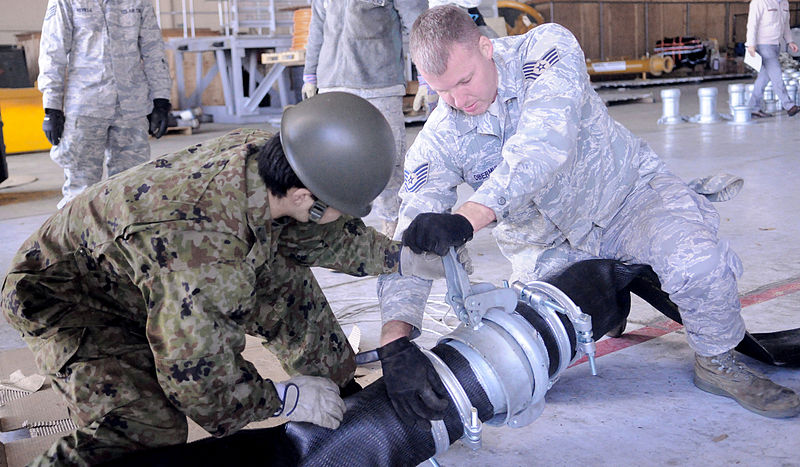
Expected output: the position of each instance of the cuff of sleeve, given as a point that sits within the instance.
(310, 79)
(52, 103)
(273, 404)
(497, 203)
(390, 313)
(403, 299)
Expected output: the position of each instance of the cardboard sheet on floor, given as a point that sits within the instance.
(43, 405)
(22, 452)
(46, 405)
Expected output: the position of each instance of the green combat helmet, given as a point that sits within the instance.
(342, 149)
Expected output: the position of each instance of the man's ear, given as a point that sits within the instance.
(299, 196)
(485, 46)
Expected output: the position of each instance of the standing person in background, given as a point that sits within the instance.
(767, 24)
(102, 71)
(356, 46)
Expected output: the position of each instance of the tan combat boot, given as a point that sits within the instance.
(725, 376)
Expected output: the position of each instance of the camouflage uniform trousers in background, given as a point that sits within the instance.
(387, 204)
(108, 378)
(89, 144)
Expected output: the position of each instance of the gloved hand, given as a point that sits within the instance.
(415, 390)
(436, 233)
(428, 265)
(424, 98)
(311, 399)
(309, 90)
(53, 125)
(158, 117)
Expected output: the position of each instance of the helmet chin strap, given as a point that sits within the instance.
(317, 210)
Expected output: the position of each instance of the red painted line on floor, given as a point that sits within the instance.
(660, 328)
(768, 292)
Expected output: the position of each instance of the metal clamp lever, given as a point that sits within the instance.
(472, 302)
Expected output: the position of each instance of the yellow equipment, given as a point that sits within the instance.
(655, 65)
(22, 120)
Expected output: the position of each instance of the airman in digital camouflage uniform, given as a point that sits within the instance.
(561, 181)
(137, 296)
(105, 84)
(356, 46)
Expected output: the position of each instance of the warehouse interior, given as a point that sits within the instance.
(673, 72)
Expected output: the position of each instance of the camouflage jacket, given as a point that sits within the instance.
(547, 158)
(95, 55)
(179, 245)
(359, 43)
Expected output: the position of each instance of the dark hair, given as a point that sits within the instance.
(274, 168)
(435, 32)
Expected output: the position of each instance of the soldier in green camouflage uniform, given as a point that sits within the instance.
(136, 298)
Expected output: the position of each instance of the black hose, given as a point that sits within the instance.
(371, 433)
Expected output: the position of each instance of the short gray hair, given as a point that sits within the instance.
(435, 31)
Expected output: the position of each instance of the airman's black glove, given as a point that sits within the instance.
(158, 118)
(53, 125)
(432, 232)
(415, 390)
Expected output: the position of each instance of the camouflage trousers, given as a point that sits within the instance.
(674, 230)
(88, 145)
(94, 349)
(387, 205)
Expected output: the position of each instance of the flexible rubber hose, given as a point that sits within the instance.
(371, 433)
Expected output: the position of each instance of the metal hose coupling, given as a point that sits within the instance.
(467, 413)
(507, 354)
(547, 300)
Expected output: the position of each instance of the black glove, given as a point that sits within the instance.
(415, 390)
(430, 232)
(158, 118)
(53, 125)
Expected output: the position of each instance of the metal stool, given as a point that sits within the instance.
(670, 113)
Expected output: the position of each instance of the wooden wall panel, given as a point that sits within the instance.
(623, 30)
(630, 28)
(738, 21)
(707, 21)
(671, 21)
(582, 19)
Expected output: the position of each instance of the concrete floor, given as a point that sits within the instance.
(642, 409)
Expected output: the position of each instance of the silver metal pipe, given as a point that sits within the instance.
(736, 95)
(708, 106)
(670, 107)
(791, 89)
(741, 115)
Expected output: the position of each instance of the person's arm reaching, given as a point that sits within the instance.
(313, 45)
(429, 186)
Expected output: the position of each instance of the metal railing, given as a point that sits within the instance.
(235, 17)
